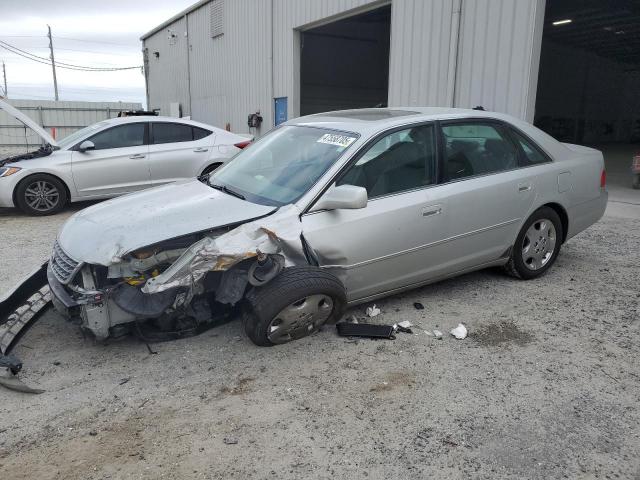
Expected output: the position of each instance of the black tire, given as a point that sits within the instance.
(54, 195)
(291, 286)
(517, 265)
(636, 181)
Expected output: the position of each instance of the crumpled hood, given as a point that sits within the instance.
(103, 233)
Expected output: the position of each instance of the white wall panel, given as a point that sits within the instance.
(420, 43)
(498, 55)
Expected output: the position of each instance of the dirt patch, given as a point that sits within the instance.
(394, 380)
(242, 386)
(500, 333)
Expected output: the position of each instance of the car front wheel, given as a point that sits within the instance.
(537, 245)
(293, 305)
(41, 194)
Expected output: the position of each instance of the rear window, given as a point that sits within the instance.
(171, 133)
(199, 133)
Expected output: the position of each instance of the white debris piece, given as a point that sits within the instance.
(460, 332)
(437, 334)
(373, 311)
(428, 333)
(405, 324)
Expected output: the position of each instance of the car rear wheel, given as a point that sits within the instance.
(41, 194)
(293, 305)
(537, 245)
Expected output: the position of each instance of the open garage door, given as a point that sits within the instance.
(589, 81)
(345, 64)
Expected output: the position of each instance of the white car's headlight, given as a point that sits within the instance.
(6, 171)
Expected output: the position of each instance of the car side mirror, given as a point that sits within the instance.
(342, 197)
(86, 145)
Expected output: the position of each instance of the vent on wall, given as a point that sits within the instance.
(217, 18)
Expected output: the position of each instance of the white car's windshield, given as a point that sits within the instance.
(280, 167)
(80, 134)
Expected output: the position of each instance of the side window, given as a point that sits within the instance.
(199, 133)
(131, 135)
(171, 133)
(476, 149)
(403, 160)
(532, 154)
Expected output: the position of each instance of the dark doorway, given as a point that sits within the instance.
(345, 64)
(589, 81)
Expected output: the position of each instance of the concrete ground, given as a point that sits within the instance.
(545, 386)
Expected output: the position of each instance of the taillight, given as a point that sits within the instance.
(603, 178)
(241, 145)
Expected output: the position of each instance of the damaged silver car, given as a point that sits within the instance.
(323, 212)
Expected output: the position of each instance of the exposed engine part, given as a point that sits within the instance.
(43, 151)
(130, 299)
(265, 268)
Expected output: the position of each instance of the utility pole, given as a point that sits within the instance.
(53, 64)
(4, 74)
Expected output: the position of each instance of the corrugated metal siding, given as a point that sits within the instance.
(496, 55)
(420, 42)
(258, 56)
(230, 74)
(65, 117)
(168, 74)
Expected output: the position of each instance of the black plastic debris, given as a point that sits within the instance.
(367, 330)
(418, 306)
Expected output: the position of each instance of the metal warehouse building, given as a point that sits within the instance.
(570, 65)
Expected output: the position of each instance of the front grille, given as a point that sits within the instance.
(62, 265)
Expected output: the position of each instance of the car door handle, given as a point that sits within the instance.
(524, 187)
(137, 155)
(200, 149)
(431, 210)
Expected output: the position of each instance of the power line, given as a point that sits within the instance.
(69, 66)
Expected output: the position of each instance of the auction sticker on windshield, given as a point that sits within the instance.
(338, 140)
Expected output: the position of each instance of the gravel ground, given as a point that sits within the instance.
(546, 385)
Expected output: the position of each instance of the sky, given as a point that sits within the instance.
(88, 33)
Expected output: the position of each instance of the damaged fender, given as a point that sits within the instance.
(279, 233)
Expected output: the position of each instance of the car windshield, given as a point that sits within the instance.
(80, 134)
(280, 167)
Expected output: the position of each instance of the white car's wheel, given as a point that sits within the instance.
(41, 194)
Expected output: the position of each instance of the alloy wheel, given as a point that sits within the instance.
(42, 196)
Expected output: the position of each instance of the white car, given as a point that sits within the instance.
(111, 158)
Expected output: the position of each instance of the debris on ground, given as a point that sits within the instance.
(230, 440)
(460, 332)
(367, 330)
(437, 334)
(353, 319)
(404, 326)
(14, 383)
(418, 306)
(373, 311)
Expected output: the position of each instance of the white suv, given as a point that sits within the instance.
(111, 158)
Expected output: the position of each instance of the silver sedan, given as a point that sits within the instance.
(325, 211)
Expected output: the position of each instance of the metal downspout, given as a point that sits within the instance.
(186, 23)
(454, 43)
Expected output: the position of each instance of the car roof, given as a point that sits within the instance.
(152, 118)
(367, 120)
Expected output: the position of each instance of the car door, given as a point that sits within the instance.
(485, 193)
(118, 164)
(383, 246)
(178, 151)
